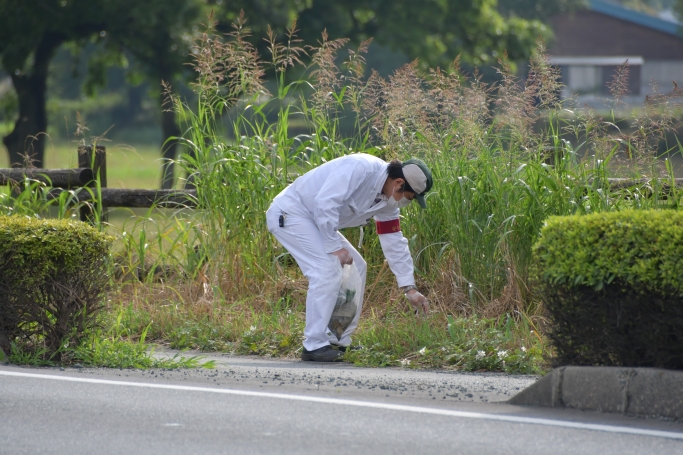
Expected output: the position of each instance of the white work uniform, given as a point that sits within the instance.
(344, 192)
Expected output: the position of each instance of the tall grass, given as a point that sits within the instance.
(504, 158)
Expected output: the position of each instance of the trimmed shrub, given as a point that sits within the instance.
(53, 275)
(613, 286)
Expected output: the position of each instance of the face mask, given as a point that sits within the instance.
(394, 204)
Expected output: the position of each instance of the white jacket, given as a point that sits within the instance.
(341, 193)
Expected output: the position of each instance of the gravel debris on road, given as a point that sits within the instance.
(332, 379)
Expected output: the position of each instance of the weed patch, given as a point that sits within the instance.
(113, 348)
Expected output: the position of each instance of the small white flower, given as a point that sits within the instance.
(252, 328)
(480, 355)
(523, 349)
(443, 348)
(502, 354)
(423, 351)
(405, 362)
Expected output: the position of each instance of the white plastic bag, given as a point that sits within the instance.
(347, 301)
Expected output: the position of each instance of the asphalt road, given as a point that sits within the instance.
(254, 406)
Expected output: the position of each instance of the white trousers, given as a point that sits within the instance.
(301, 237)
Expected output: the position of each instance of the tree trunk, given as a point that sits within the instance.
(169, 125)
(170, 146)
(26, 143)
(5, 346)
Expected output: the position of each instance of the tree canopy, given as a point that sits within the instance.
(538, 9)
(156, 33)
(435, 31)
(32, 30)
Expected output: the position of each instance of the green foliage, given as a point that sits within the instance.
(271, 340)
(611, 283)
(156, 33)
(30, 201)
(201, 335)
(538, 9)
(36, 249)
(100, 351)
(53, 275)
(641, 249)
(508, 344)
(31, 32)
(269, 333)
(31, 198)
(466, 344)
(495, 344)
(28, 355)
(149, 28)
(434, 31)
(113, 348)
(652, 7)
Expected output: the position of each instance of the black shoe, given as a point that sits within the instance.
(347, 348)
(324, 354)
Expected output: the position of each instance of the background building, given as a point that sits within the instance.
(590, 45)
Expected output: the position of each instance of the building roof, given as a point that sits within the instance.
(636, 17)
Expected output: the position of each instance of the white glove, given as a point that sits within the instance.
(418, 301)
(344, 256)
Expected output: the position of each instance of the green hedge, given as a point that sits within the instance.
(53, 275)
(613, 286)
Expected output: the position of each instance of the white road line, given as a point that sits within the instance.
(364, 404)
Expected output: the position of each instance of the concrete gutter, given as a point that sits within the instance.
(648, 392)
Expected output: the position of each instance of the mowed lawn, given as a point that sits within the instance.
(127, 166)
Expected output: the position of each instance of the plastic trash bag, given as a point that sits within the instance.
(347, 301)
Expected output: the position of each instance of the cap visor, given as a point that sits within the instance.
(421, 200)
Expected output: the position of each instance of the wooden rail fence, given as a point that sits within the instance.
(92, 165)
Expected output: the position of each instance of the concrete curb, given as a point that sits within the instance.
(636, 391)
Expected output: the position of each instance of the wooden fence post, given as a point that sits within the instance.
(97, 161)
